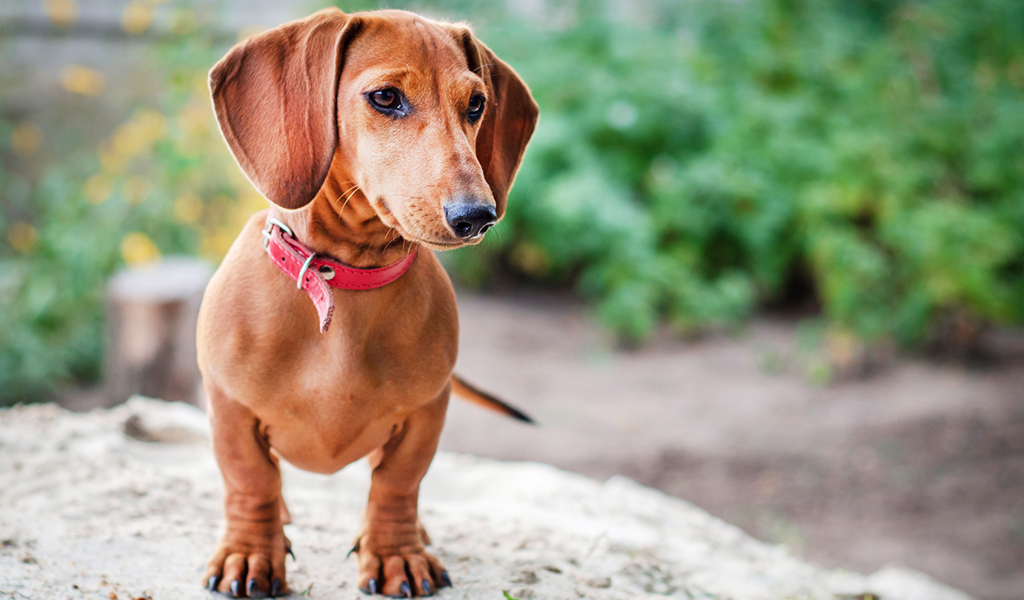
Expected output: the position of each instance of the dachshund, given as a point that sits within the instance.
(330, 330)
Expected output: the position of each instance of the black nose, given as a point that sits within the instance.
(470, 217)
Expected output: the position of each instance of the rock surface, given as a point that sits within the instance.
(125, 503)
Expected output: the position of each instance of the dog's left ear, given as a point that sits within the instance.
(276, 99)
(509, 119)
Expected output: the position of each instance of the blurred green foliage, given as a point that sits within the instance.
(160, 183)
(687, 167)
(692, 169)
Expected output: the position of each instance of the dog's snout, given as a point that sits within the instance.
(469, 217)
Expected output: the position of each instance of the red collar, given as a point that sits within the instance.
(318, 274)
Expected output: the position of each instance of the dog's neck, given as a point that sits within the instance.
(340, 223)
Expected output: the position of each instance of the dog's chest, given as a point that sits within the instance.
(345, 401)
(324, 400)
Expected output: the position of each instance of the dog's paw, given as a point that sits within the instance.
(248, 566)
(406, 574)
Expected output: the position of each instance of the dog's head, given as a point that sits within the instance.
(426, 121)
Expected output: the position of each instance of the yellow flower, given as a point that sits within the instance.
(82, 80)
(139, 133)
(135, 189)
(136, 17)
(195, 118)
(151, 124)
(26, 138)
(62, 13)
(21, 236)
(111, 160)
(127, 140)
(97, 189)
(188, 208)
(137, 249)
(249, 201)
(216, 243)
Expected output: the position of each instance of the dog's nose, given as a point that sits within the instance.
(469, 217)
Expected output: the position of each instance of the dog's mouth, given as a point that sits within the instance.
(391, 220)
(438, 245)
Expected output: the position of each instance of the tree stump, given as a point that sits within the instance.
(151, 331)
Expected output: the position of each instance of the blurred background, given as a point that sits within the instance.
(765, 255)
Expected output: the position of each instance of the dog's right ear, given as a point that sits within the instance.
(276, 99)
(509, 120)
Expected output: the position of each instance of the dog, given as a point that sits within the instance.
(330, 330)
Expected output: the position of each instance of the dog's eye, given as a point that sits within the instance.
(386, 99)
(476, 107)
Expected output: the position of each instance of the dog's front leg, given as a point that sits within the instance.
(391, 545)
(249, 560)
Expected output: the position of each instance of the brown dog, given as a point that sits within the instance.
(373, 134)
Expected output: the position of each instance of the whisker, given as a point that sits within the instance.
(394, 231)
(348, 196)
(349, 192)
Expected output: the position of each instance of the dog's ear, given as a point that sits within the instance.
(509, 119)
(276, 97)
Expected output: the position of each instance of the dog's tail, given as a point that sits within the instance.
(482, 398)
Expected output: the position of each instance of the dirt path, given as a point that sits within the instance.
(921, 466)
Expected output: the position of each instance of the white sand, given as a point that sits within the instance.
(89, 512)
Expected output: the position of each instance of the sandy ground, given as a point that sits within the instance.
(921, 465)
(125, 504)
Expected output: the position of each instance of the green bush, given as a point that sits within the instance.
(690, 170)
(682, 171)
(161, 183)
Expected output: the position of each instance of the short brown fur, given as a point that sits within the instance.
(364, 189)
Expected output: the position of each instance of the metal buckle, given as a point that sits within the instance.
(305, 267)
(266, 231)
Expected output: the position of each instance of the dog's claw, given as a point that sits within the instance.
(212, 583)
(288, 551)
(250, 588)
(354, 548)
(275, 588)
(371, 587)
(426, 588)
(405, 591)
(445, 580)
(234, 588)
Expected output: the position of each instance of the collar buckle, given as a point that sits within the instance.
(271, 222)
(305, 267)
